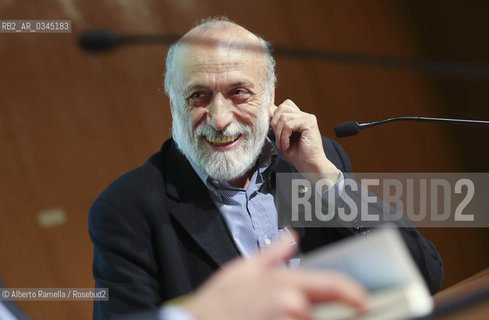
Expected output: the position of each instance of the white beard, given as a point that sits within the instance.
(221, 165)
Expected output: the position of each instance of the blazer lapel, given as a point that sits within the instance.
(206, 227)
(193, 208)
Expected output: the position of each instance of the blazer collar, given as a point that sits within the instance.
(193, 208)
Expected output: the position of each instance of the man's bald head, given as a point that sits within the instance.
(215, 33)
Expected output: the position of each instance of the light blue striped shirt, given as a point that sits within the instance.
(250, 214)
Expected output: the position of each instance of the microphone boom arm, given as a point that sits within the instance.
(461, 121)
(351, 128)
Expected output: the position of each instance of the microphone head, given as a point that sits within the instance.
(347, 129)
(99, 40)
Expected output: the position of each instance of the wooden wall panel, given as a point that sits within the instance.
(71, 122)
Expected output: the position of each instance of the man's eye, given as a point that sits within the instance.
(240, 95)
(199, 98)
(238, 91)
(197, 95)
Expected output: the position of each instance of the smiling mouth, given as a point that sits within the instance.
(223, 140)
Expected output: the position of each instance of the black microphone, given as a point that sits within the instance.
(351, 128)
(104, 40)
(99, 40)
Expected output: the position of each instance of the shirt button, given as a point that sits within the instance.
(267, 241)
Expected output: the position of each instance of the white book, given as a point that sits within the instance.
(382, 263)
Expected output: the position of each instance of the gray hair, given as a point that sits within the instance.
(209, 24)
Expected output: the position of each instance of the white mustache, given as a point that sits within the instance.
(235, 128)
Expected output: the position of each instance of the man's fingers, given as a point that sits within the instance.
(288, 124)
(279, 127)
(278, 122)
(285, 137)
(293, 304)
(323, 286)
(277, 112)
(289, 104)
(281, 123)
(271, 110)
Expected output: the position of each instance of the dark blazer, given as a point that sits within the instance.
(158, 235)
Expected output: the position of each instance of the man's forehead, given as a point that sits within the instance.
(197, 45)
(214, 59)
(231, 52)
(217, 57)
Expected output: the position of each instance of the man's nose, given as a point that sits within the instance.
(220, 113)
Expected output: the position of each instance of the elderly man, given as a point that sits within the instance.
(208, 195)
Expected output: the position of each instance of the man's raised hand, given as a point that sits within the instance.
(297, 135)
